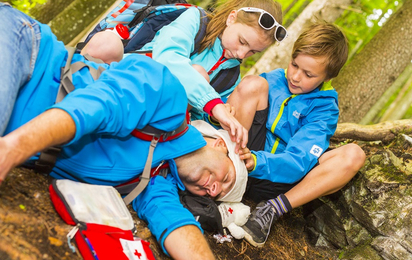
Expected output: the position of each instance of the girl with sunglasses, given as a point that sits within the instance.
(237, 29)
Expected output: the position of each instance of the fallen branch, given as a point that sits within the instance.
(385, 131)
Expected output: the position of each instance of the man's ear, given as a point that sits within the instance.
(220, 144)
(231, 19)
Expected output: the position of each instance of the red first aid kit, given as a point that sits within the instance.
(103, 224)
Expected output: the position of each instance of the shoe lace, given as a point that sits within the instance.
(264, 215)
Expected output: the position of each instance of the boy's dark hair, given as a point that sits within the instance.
(323, 39)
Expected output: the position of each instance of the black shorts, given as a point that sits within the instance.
(257, 132)
(258, 189)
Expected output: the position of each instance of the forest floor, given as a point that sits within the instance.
(30, 228)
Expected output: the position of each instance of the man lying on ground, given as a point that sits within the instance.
(94, 125)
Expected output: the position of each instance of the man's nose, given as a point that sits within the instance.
(214, 189)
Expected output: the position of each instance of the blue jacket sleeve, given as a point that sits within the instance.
(172, 47)
(159, 205)
(303, 149)
(130, 94)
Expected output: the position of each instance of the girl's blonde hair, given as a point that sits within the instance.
(217, 23)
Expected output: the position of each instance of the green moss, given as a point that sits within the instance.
(364, 250)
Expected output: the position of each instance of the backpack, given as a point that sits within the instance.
(144, 18)
(204, 209)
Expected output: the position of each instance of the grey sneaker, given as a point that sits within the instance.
(257, 228)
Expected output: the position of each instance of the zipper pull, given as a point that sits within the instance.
(287, 100)
(161, 163)
(70, 236)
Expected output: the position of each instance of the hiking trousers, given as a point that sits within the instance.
(19, 46)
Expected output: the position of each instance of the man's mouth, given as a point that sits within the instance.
(207, 182)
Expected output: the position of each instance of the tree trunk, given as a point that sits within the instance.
(46, 12)
(77, 16)
(376, 67)
(374, 114)
(278, 55)
(401, 104)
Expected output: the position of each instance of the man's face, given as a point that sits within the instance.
(305, 73)
(217, 176)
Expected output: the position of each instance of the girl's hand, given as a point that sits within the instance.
(247, 157)
(227, 121)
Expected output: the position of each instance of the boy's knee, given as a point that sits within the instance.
(355, 156)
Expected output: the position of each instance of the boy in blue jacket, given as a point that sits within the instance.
(294, 166)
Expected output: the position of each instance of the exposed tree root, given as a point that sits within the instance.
(385, 131)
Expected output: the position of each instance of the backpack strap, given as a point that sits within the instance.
(143, 12)
(47, 158)
(201, 33)
(148, 132)
(157, 136)
(145, 177)
(225, 79)
(66, 81)
(125, 188)
(66, 84)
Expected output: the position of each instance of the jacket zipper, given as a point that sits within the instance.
(282, 107)
(218, 63)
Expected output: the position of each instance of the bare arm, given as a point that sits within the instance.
(187, 242)
(227, 121)
(52, 127)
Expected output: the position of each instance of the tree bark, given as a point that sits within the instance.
(376, 67)
(401, 104)
(46, 12)
(77, 16)
(385, 131)
(373, 115)
(278, 55)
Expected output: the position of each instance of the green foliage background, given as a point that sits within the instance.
(360, 22)
(26, 5)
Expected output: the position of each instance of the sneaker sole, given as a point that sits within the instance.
(252, 242)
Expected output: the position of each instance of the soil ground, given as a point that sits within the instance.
(30, 228)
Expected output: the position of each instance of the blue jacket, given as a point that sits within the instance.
(298, 130)
(172, 47)
(105, 113)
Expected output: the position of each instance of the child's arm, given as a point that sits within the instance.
(173, 46)
(302, 151)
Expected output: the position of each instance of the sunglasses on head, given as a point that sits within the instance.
(267, 22)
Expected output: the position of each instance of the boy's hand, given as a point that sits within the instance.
(247, 157)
